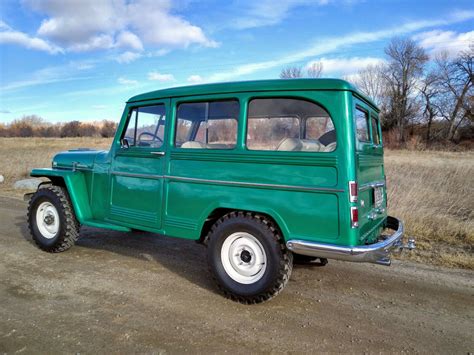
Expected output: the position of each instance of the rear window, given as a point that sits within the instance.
(288, 124)
(362, 125)
(375, 130)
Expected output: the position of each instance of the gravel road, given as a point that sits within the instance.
(141, 292)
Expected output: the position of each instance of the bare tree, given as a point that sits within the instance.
(108, 129)
(429, 94)
(291, 73)
(371, 81)
(456, 87)
(315, 70)
(405, 67)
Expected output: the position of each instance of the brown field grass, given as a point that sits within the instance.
(433, 192)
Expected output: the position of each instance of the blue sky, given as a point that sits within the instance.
(82, 59)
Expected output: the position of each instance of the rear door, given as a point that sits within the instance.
(370, 170)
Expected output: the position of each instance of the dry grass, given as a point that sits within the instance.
(19, 155)
(433, 192)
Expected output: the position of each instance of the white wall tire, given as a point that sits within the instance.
(247, 257)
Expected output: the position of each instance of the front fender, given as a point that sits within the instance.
(76, 186)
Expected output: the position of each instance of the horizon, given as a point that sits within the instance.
(81, 60)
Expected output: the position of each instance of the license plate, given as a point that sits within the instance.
(378, 196)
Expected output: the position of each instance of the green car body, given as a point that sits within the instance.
(179, 192)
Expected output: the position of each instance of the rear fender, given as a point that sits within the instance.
(76, 186)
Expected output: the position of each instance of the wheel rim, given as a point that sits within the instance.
(244, 258)
(47, 220)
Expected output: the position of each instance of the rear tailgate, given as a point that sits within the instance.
(370, 175)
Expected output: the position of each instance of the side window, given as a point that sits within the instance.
(284, 124)
(207, 125)
(375, 130)
(146, 126)
(362, 125)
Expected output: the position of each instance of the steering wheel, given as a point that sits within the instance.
(149, 134)
(328, 137)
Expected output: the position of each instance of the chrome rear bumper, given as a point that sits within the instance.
(378, 253)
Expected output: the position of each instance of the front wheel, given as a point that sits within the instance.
(51, 219)
(247, 257)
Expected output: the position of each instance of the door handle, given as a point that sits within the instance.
(157, 153)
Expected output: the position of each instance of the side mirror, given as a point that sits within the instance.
(124, 143)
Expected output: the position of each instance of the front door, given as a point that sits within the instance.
(138, 168)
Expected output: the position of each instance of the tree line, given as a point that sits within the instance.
(421, 97)
(35, 126)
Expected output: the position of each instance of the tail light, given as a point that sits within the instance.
(353, 191)
(354, 217)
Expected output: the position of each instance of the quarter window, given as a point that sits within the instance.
(375, 131)
(146, 126)
(362, 125)
(207, 125)
(284, 124)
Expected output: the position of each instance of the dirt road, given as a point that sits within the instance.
(124, 292)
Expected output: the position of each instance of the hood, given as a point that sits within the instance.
(76, 158)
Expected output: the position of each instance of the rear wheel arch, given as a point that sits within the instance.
(220, 212)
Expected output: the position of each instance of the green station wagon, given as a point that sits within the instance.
(264, 173)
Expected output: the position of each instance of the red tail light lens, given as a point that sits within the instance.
(354, 217)
(353, 191)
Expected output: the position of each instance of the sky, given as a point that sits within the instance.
(81, 60)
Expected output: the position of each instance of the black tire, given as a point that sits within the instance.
(68, 230)
(279, 260)
(306, 259)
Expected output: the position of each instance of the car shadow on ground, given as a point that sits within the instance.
(185, 258)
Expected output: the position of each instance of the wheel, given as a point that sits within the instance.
(247, 257)
(51, 219)
(306, 259)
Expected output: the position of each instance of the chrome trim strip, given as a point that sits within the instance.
(371, 185)
(378, 253)
(223, 182)
(253, 184)
(145, 176)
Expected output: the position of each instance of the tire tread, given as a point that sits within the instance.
(286, 262)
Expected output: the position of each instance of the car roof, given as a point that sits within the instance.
(254, 85)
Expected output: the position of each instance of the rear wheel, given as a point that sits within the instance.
(247, 257)
(51, 219)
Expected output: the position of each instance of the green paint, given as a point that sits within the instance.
(305, 192)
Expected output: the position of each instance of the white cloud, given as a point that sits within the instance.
(155, 24)
(437, 41)
(195, 79)
(345, 66)
(160, 77)
(331, 44)
(127, 82)
(102, 41)
(269, 12)
(130, 40)
(90, 24)
(72, 23)
(127, 57)
(10, 36)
